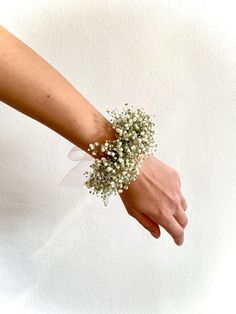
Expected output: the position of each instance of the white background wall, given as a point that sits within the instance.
(61, 250)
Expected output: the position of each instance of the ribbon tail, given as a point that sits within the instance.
(75, 177)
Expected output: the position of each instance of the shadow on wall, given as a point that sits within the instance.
(191, 65)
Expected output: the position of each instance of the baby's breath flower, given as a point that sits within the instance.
(125, 155)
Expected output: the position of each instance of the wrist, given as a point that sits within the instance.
(133, 139)
(102, 131)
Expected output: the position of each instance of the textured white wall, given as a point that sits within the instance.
(61, 251)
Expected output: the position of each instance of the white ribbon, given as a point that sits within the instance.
(75, 176)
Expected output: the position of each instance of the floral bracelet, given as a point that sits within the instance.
(122, 157)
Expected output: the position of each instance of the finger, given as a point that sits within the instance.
(169, 223)
(183, 203)
(181, 218)
(174, 229)
(146, 222)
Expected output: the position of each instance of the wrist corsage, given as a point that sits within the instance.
(122, 157)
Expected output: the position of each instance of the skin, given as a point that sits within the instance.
(155, 199)
(29, 84)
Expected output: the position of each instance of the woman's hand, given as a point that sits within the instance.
(155, 199)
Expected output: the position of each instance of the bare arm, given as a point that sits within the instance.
(32, 86)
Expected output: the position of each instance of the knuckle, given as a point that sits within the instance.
(162, 214)
(177, 179)
(176, 200)
(165, 218)
(176, 174)
(179, 206)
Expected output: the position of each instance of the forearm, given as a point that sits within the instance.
(30, 85)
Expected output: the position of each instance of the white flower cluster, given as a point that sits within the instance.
(124, 155)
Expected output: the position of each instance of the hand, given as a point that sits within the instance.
(155, 199)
